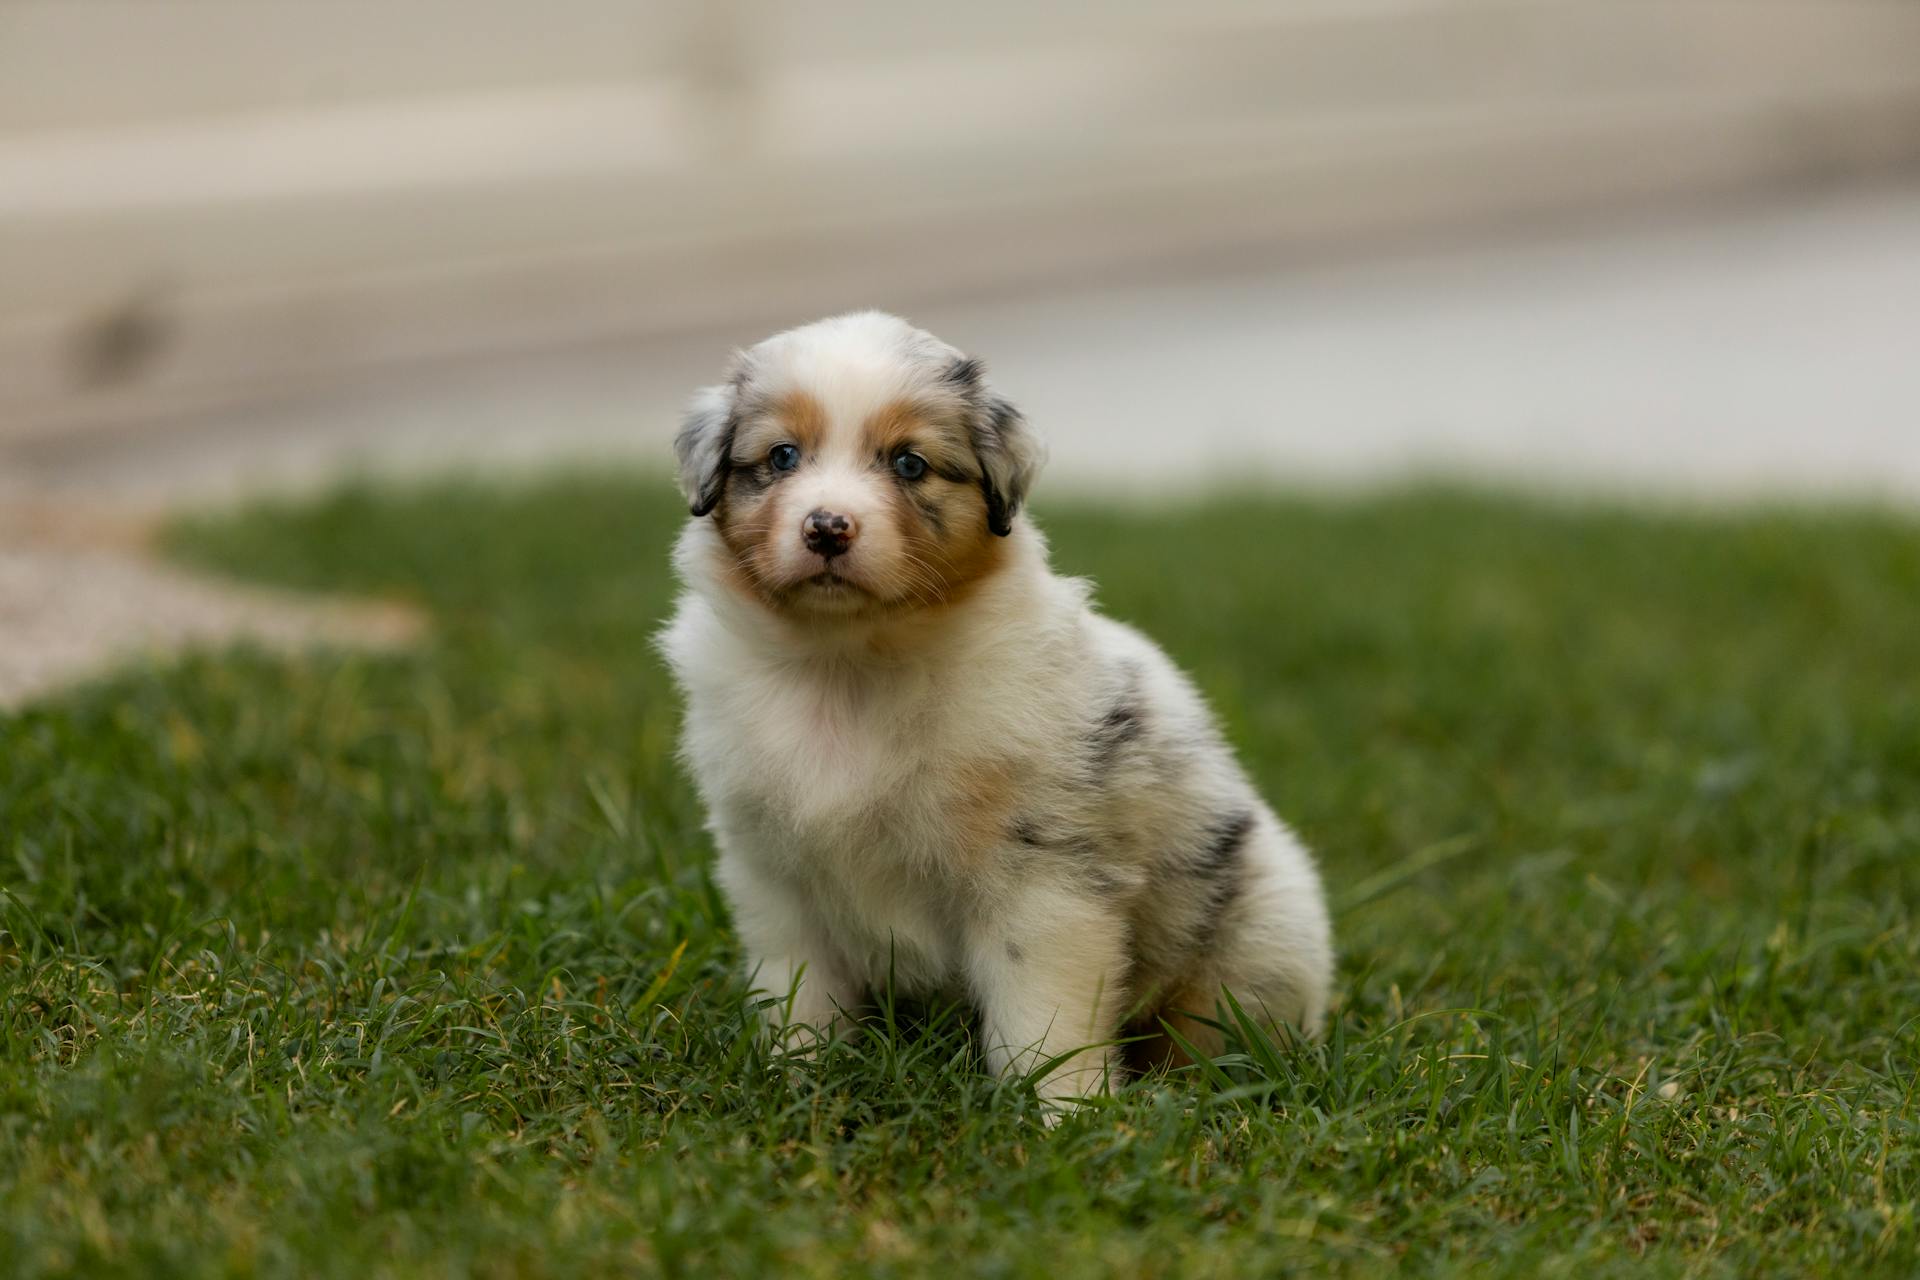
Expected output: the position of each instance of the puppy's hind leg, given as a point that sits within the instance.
(1275, 942)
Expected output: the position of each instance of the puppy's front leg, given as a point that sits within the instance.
(788, 958)
(1050, 973)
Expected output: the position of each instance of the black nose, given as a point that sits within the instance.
(827, 532)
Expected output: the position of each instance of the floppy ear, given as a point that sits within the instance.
(1010, 452)
(704, 445)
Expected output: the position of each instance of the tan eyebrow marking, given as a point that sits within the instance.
(911, 422)
(795, 418)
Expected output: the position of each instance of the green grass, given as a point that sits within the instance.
(357, 965)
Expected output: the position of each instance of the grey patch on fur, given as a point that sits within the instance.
(1104, 882)
(1014, 953)
(1123, 724)
(750, 480)
(1118, 727)
(1225, 840)
(1219, 863)
(1081, 853)
(929, 511)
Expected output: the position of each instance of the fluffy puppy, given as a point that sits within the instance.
(925, 757)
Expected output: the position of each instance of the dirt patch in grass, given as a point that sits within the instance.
(80, 593)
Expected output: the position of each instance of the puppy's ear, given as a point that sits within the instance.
(704, 445)
(1010, 452)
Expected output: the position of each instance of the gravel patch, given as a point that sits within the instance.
(80, 595)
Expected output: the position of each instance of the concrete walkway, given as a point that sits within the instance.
(1771, 351)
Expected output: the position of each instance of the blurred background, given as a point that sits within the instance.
(1668, 247)
(1664, 242)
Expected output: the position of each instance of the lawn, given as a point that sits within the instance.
(411, 964)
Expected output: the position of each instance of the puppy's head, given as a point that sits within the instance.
(856, 466)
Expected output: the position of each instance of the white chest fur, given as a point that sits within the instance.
(834, 779)
(866, 784)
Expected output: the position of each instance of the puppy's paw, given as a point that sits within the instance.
(1075, 1089)
(1054, 1110)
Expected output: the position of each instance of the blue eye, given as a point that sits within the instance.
(909, 466)
(783, 457)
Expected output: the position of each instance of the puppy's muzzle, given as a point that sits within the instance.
(828, 532)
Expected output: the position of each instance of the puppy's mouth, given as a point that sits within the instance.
(829, 584)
